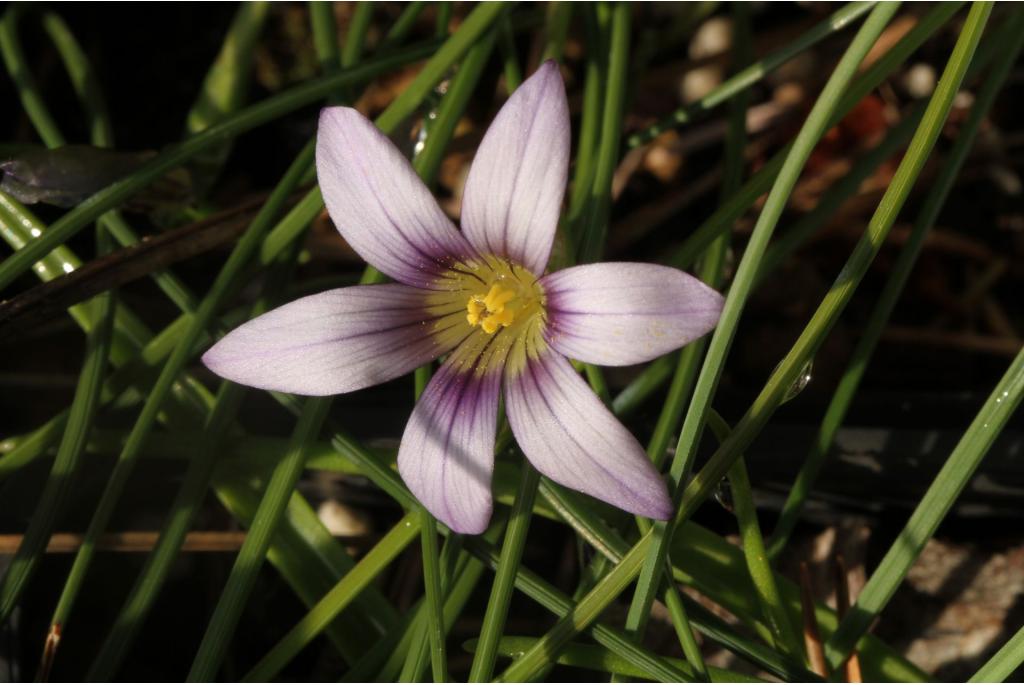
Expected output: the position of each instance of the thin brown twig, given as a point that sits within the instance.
(152, 254)
(962, 341)
(49, 652)
(133, 541)
(812, 636)
(843, 601)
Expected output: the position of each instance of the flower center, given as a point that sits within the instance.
(497, 309)
(500, 307)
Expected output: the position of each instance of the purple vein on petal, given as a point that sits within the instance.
(550, 408)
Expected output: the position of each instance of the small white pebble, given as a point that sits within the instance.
(713, 38)
(919, 80)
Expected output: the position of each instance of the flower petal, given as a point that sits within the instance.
(447, 452)
(379, 204)
(619, 313)
(573, 439)
(337, 341)
(514, 190)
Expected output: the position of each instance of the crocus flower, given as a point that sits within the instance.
(478, 297)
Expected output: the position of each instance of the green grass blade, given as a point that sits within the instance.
(224, 91)
(193, 490)
(594, 222)
(355, 39)
(434, 598)
(444, 17)
(838, 296)
(762, 181)
(504, 580)
(404, 24)
(1003, 663)
(63, 472)
(930, 511)
(660, 535)
(428, 160)
(221, 627)
(473, 27)
(244, 120)
(226, 280)
(509, 58)
(784, 636)
(751, 75)
(86, 86)
(376, 560)
(325, 35)
(872, 331)
(432, 615)
(602, 659)
(556, 28)
(590, 128)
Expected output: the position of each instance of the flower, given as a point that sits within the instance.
(479, 296)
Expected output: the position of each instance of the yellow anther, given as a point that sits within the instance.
(474, 309)
(489, 312)
(497, 298)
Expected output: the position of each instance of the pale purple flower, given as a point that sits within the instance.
(480, 297)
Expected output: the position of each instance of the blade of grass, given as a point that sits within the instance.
(872, 331)
(182, 353)
(501, 592)
(368, 568)
(556, 28)
(783, 634)
(432, 618)
(594, 221)
(443, 18)
(740, 82)
(1003, 663)
(63, 473)
(434, 599)
(255, 115)
(762, 181)
(590, 128)
(195, 484)
(509, 58)
(656, 373)
(221, 627)
(325, 36)
(711, 272)
(224, 91)
(930, 511)
(243, 574)
(404, 24)
(602, 659)
(659, 536)
(838, 296)
(86, 85)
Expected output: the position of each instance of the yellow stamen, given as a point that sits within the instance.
(497, 298)
(490, 311)
(474, 309)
